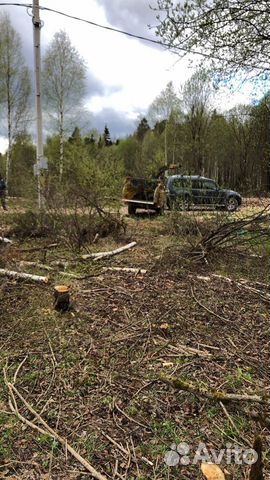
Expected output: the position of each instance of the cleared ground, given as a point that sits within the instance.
(96, 373)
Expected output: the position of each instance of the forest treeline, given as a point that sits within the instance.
(181, 128)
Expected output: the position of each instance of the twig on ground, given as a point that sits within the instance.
(48, 430)
(208, 309)
(245, 440)
(130, 418)
(264, 296)
(43, 247)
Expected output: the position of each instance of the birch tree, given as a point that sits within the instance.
(64, 73)
(166, 106)
(14, 85)
(196, 101)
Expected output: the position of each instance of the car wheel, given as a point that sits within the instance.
(184, 204)
(232, 204)
(131, 209)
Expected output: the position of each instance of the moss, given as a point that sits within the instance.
(182, 384)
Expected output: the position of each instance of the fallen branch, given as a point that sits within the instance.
(43, 247)
(209, 310)
(23, 276)
(265, 296)
(122, 449)
(245, 440)
(98, 256)
(48, 430)
(47, 267)
(60, 263)
(213, 395)
(124, 269)
(5, 240)
(184, 349)
(25, 263)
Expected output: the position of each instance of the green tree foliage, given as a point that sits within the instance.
(232, 34)
(166, 107)
(22, 180)
(260, 132)
(64, 74)
(142, 129)
(75, 137)
(14, 85)
(196, 95)
(107, 137)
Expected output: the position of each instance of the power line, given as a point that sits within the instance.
(133, 35)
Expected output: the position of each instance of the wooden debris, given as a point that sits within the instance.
(43, 247)
(23, 276)
(24, 263)
(5, 240)
(98, 256)
(212, 471)
(60, 263)
(13, 392)
(61, 298)
(242, 284)
(124, 269)
(47, 267)
(184, 349)
(212, 394)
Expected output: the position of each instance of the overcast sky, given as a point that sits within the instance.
(124, 75)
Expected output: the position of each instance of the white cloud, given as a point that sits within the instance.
(124, 74)
(3, 144)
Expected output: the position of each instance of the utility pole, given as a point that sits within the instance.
(41, 163)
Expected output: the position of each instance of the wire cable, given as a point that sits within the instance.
(172, 48)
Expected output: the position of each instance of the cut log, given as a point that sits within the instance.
(98, 256)
(23, 276)
(124, 269)
(5, 240)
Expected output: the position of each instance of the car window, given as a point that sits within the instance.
(187, 182)
(196, 183)
(209, 185)
(179, 184)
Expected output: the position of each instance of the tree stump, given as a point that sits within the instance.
(61, 298)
